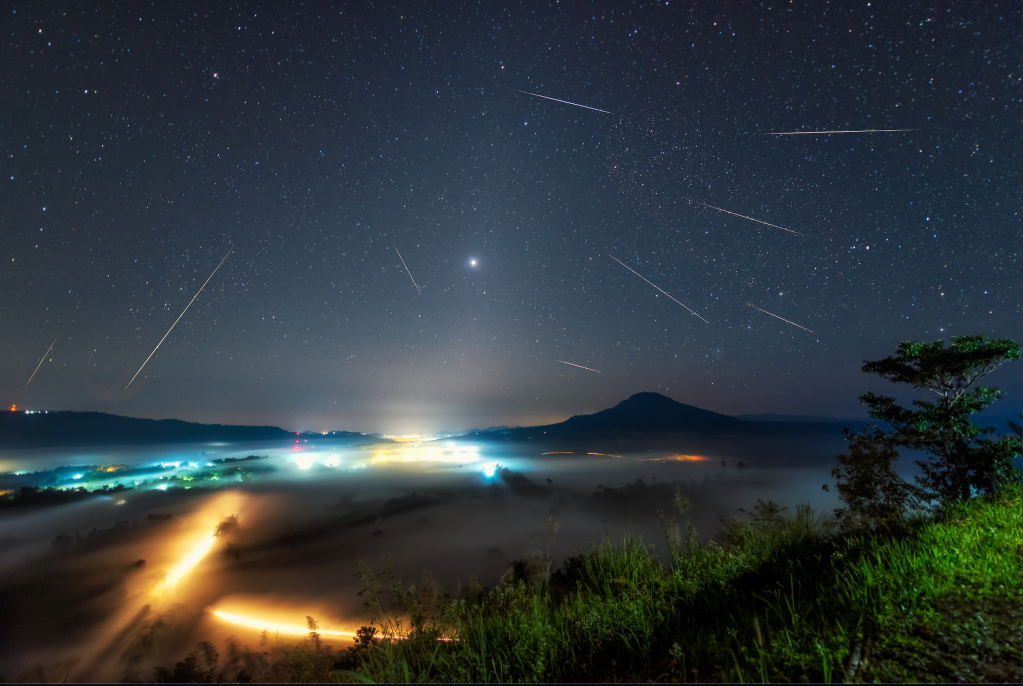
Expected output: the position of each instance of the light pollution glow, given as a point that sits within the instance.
(417, 454)
(403, 452)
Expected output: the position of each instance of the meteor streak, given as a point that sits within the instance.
(750, 218)
(179, 317)
(406, 269)
(40, 364)
(564, 101)
(652, 284)
(803, 133)
(784, 320)
(578, 365)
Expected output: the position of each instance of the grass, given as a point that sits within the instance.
(787, 599)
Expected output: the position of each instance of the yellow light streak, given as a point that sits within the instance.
(289, 629)
(260, 625)
(185, 566)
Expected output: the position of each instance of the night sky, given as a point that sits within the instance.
(142, 141)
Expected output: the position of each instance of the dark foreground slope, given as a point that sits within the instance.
(780, 599)
(39, 430)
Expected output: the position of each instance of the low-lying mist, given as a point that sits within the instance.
(100, 586)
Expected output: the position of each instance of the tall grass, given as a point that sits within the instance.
(781, 598)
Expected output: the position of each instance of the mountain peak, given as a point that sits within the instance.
(649, 411)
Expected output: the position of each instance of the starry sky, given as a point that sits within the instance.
(311, 142)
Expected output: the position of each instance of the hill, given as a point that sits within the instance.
(652, 414)
(53, 429)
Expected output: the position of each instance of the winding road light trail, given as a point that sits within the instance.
(287, 629)
(179, 318)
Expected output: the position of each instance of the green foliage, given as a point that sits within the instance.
(35, 496)
(200, 667)
(943, 605)
(961, 460)
(868, 484)
(783, 598)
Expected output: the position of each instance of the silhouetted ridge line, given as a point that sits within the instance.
(655, 413)
(22, 430)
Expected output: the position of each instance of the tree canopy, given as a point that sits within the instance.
(961, 460)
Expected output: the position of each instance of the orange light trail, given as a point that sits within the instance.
(742, 216)
(677, 458)
(821, 133)
(187, 563)
(784, 320)
(652, 284)
(289, 629)
(282, 628)
(179, 317)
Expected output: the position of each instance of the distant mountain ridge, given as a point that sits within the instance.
(656, 413)
(643, 412)
(652, 412)
(66, 428)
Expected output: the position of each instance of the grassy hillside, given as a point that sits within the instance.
(781, 599)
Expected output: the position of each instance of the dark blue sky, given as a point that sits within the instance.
(141, 142)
